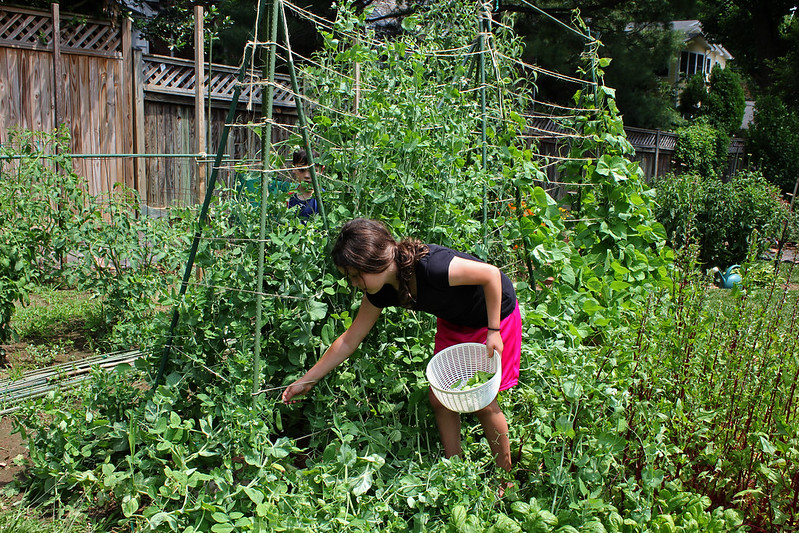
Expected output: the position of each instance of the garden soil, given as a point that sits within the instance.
(11, 447)
(27, 355)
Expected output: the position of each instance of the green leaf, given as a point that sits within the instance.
(458, 518)
(766, 446)
(612, 166)
(317, 310)
(130, 504)
(410, 22)
(591, 306)
(362, 483)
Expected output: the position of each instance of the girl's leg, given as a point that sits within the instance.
(495, 426)
(449, 426)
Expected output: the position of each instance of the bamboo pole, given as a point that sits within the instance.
(267, 107)
(484, 28)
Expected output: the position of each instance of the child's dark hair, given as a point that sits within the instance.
(300, 157)
(368, 246)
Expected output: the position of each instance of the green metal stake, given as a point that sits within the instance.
(203, 215)
(303, 124)
(267, 102)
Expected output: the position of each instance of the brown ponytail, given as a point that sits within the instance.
(408, 252)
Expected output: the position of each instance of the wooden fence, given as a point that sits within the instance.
(117, 103)
(138, 111)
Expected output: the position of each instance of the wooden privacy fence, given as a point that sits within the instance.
(138, 111)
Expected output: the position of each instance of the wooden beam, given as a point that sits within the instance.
(58, 68)
(140, 165)
(129, 169)
(199, 96)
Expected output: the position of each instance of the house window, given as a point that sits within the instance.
(692, 63)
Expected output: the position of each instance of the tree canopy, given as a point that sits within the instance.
(762, 36)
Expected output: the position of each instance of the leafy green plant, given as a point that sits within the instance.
(129, 264)
(14, 286)
(701, 149)
(727, 220)
(44, 201)
(715, 368)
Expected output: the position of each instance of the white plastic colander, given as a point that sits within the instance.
(461, 362)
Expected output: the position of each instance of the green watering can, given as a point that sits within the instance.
(729, 278)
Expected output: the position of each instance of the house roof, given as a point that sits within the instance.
(693, 29)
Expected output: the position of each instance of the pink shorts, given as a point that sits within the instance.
(449, 334)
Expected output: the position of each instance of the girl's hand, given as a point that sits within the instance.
(298, 388)
(494, 342)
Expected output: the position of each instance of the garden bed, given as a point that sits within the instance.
(54, 329)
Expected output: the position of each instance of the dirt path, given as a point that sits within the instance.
(11, 446)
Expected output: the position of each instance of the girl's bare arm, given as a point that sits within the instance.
(467, 272)
(341, 349)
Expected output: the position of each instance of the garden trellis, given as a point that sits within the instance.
(490, 103)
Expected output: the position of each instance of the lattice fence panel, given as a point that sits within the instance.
(25, 29)
(96, 37)
(167, 75)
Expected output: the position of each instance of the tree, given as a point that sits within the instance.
(720, 103)
(636, 35)
(692, 96)
(774, 141)
(726, 101)
(760, 35)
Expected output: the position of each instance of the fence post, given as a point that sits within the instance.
(657, 154)
(199, 82)
(139, 164)
(58, 97)
(128, 165)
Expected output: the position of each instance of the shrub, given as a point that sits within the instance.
(774, 142)
(691, 97)
(725, 103)
(701, 149)
(720, 103)
(725, 219)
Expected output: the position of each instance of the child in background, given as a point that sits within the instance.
(303, 198)
(473, 301)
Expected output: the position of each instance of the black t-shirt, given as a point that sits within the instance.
(462, 305)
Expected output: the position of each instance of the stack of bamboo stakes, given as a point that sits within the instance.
(37, 383)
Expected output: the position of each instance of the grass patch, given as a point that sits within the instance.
(18, 518)
(54, 312)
